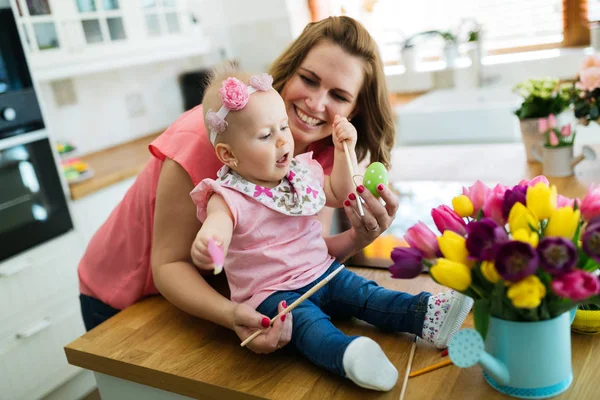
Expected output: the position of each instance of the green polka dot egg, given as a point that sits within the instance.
(374, 175)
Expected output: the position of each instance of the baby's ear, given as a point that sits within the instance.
(225, 154)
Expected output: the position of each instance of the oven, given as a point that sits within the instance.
(33, 207)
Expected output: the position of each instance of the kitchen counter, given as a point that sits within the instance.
(113, 165)
(152, 350)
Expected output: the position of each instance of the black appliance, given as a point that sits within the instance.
(33, 207)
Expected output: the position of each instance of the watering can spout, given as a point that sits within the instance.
(495, 368)
(587, 153)
(467, 349)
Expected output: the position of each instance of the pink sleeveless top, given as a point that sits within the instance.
(115, 268)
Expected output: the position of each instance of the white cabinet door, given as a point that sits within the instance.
(32, 358)
(92, 211)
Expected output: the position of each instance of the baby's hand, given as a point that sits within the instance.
(343, 130)
(200, 253)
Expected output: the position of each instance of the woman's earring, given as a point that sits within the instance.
(234, 162)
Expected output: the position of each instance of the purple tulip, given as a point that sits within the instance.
(516, 260)
(517, 194)
(591, 239)
(484, 238)
(446, 218)
(422, 238)
(557, 255)
(408, 263)
(576, 285)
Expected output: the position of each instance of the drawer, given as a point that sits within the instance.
(39, 276)
(32, 358)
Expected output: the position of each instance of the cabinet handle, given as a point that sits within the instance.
(34, 329)
(6, 272)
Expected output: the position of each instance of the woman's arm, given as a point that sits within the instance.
(175, 226)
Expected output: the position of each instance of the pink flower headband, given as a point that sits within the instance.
(234, 96)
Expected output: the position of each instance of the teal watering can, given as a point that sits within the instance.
(529, 360)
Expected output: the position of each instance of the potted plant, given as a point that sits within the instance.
(450, 47)
(541, 98)
(586, 93)
(526, 256)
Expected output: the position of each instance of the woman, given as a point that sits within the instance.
(144, 246)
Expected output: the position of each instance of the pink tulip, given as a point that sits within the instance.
(551, 121)
(553, 139)
(476, 194)
(565, 130)
(535, 181)
(590, 206)
(446, 218)
(562, 201)
(422, 238)
(492, 208)
(542, 125)
(576, 285)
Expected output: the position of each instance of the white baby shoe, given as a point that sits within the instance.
(366, 365)
(446, 313)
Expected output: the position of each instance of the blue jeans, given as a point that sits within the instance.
(346, 295)
(94, 312)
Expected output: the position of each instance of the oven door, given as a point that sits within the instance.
(33, 208)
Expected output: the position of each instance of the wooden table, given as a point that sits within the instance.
(154, 351)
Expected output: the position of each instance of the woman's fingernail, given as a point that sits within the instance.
(360, 189)
(283, 318)
(380, 187)
(284, 304)
(347, 203)
(265, 322)
(352, 196)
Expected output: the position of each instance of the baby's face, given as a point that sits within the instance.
(261, 140)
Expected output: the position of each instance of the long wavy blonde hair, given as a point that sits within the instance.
(374, 120)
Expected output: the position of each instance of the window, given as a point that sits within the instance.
(506, 24)
(161, 16)
(101, 20)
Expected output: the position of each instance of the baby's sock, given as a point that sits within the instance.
(445, 314)
(366, 365)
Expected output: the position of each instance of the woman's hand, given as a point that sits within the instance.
(377, 216)
(246, 321)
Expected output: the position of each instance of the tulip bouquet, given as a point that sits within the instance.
(523, 253)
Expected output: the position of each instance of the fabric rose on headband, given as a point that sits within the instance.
(262, 81)
(215, 123)
(234, 94)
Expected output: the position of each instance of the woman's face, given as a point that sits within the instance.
(326, 84)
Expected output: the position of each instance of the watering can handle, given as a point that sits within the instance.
(536, 153)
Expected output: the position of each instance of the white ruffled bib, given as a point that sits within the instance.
(298, 194)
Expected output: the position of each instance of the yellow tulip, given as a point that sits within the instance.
(451, 274)
(453, 246)
(526, 236)
(563, 222)
(541, 200)
(462, 206)
(488, 270)
(527, 293)
(520, 217)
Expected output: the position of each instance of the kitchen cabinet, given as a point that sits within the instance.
(65, 38)
(39, 302)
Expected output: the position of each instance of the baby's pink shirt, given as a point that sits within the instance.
(115, 267)
(269, 251)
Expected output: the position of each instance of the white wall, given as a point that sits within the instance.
(100, 117)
